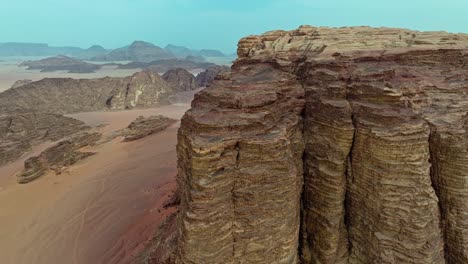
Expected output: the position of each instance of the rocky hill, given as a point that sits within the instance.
(328, 145)
(91, 52)
(66, 95)
(138, 51)
(14, 49)
(61, 63)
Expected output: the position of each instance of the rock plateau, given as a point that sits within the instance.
(329, 145)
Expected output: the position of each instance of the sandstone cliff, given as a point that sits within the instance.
(65, 95)
(329, 145)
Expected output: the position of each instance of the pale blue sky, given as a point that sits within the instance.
(209, 23)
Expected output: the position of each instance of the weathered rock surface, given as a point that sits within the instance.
(145, 126)
(65, 95)
(61, 63)
(368, 126)
(180, 79)
(207, 77)
(20, 130)
(63, 154)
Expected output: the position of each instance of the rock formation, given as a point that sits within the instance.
(61, 63)
(63, 154)
(205, 78)
(139, 51)
(20, 130)
(65, 95)
(145, 126)
(329, 145)
(180, 79)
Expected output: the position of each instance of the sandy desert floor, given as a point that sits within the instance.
(103, 210)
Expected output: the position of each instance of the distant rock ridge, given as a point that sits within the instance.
(61, 63)
(138, 51)
(66, 95)
(162, 66)
(327, 145)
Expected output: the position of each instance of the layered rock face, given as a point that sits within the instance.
(65, 95)
(368, 126)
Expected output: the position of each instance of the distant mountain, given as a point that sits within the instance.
(183, 52)
(138, 51)
(162, 66)
(35, 49)
(91, 52)
(61, 63)
(211, 53)
(180, 51)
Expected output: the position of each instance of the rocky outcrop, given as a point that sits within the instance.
(63, 154)
(180, 79)
(145, 126)
(65, 95)
(139, 51)
(207, 77)
(20, 130)
(329, 145)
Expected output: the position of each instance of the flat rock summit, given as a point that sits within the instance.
(328, 145)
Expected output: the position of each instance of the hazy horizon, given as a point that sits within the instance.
(207, 24)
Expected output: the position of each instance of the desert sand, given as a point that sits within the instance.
(103, 209)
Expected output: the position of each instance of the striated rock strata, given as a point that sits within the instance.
(329, 145)
(62, 154)
(145, 126)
